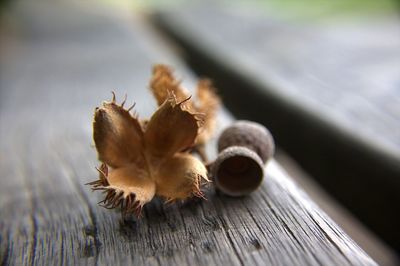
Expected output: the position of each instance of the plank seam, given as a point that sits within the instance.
(226, 231)
(5, 259)
(92, 217)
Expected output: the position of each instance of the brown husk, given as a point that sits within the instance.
(144, 159)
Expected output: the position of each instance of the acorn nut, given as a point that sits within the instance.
(237, 171)
(244, 148)
(251, 135)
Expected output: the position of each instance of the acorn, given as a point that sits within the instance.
(251, 135)
(244, 148)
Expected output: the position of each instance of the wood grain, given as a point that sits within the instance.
(328, 92)
(59, 63)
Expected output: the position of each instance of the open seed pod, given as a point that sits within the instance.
(251, 135)
(141, 161)
(237, 171)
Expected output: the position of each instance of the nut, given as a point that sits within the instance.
(251, 135)
(243, 148)
(237, 171)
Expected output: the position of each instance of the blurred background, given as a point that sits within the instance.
(324, 76)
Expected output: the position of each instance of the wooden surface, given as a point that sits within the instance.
(328, 91)
(59, 60)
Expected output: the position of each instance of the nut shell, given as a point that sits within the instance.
(251, 135)
(237, 171)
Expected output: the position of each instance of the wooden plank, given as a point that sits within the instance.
(330, 103)
(59, 63)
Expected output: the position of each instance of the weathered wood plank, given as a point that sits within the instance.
(59, 63)
(328, 92)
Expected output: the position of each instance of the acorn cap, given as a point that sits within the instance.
(237, 171)
(248, 134)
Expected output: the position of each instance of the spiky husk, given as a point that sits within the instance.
(116, 197)
(181, 177)
(134, 153)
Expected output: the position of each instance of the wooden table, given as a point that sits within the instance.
(58, 61)
(329, 91)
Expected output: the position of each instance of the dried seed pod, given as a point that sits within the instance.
(143, 160)
(180, 177)
(237, 171)
(152, 157)
(206, 105)
(248, 134)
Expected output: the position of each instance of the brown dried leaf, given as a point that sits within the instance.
(171, 129)
(117, 135)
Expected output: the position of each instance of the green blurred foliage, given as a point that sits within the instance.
(331, 8)
(302, 9)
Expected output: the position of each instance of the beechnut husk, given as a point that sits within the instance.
(144, 158)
